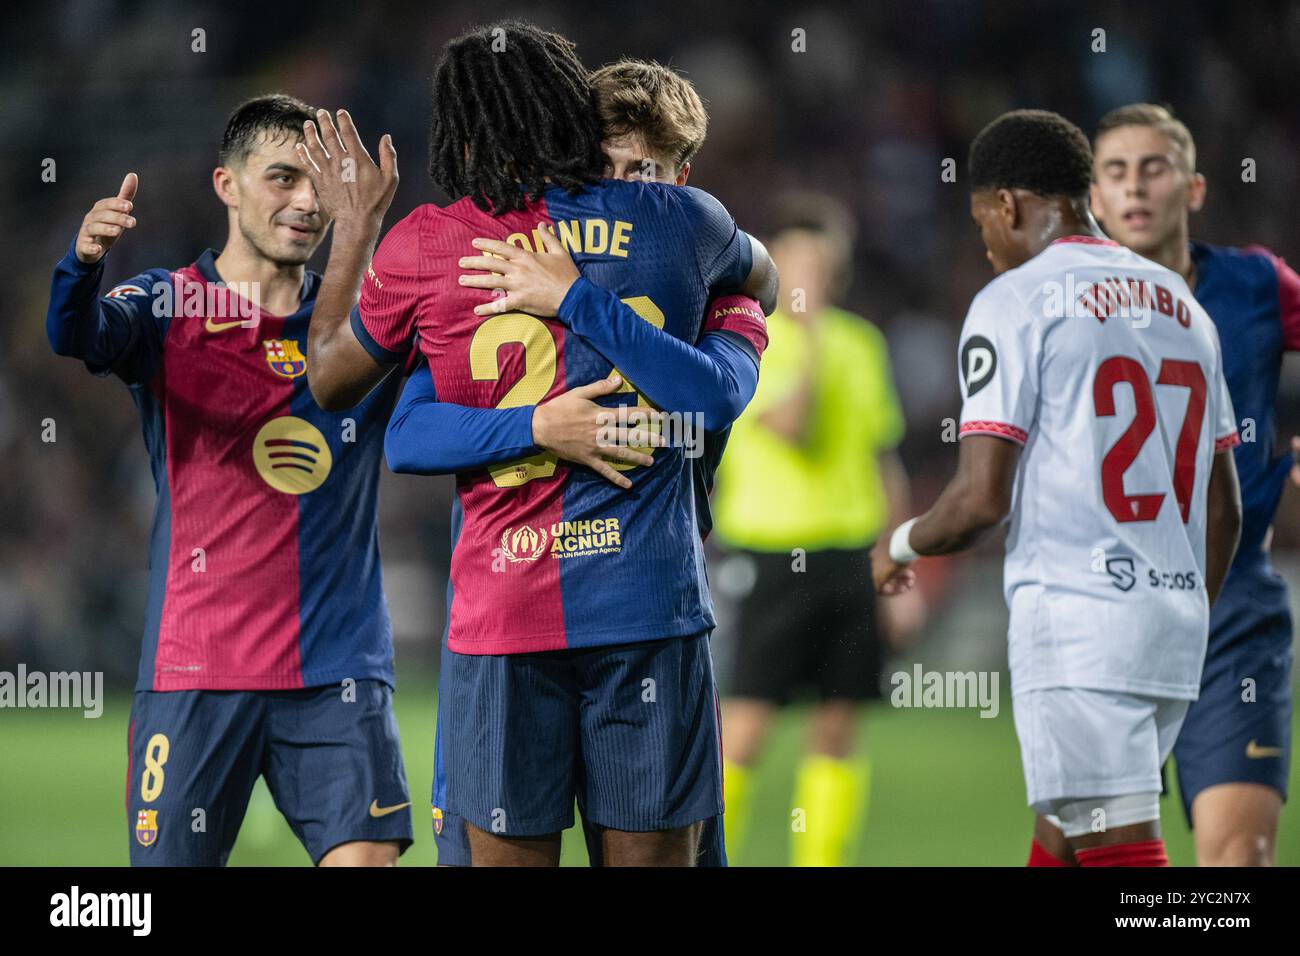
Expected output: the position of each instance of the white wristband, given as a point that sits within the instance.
(900, 547)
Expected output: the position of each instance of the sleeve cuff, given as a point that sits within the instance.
(75, 265)
(739, 314)
(1231, 440)
(380, 354)
(578, 301)
(996, 429)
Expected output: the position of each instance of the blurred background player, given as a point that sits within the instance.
(810, 481)
(1234, 750)
(1103, 368)
(265, 593)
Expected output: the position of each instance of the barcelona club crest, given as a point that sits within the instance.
(146, 827)
(437, 821)
(285, 358)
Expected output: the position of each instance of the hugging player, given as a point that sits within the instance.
(549, 660)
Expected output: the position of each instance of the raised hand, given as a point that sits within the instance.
(351, 189)
(534, 282)
(107, 220)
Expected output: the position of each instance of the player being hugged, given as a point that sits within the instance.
(267, 647)
(1096, 414)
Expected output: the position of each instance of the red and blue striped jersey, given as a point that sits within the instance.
(1254, 299)
(264, 558)
(548, 555)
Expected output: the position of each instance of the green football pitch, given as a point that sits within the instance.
(946, 791)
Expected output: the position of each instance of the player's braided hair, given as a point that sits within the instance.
(1032, 149)
(275, 113)
(513, 107)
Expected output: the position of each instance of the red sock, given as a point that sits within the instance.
(1145, 853)
(1039, 856)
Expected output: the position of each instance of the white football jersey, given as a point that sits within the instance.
(1108, 372)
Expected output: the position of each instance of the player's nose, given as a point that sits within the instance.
(305, 198)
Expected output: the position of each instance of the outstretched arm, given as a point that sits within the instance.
(119, 333)
(77, 322)
(428, 437)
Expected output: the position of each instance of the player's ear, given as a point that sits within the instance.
(223, 184)
(683, 174)
(1196, 193)
(1008, 209)
(1094, 201)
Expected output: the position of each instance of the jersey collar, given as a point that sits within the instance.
(206, 264)
(1086, 240)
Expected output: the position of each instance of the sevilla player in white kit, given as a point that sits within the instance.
(1096, 414)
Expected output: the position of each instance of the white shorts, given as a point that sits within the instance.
(1076, 743)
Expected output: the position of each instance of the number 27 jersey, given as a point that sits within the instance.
(1109, 373)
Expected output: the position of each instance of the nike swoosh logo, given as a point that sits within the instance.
(221, 326)
(377, 811)
(1255, 752)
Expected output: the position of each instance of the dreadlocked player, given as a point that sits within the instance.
(580, 617)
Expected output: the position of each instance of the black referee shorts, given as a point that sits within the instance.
(811, 630)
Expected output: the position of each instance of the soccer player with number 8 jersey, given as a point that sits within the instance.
(267, 649)
(1096, 414)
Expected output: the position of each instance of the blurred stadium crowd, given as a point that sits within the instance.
(883, 94)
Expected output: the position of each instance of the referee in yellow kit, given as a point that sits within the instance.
(809, 482)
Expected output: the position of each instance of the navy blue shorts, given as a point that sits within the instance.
(1239, 730)
(333, 766)
(628, 731)
(449, 829)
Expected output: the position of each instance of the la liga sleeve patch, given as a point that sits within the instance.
(979, 363)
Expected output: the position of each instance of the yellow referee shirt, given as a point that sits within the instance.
(773, 495)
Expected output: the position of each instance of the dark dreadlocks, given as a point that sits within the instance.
(513, 107)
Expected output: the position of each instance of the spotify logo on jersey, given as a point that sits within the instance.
(978, 363)
(291, 455)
